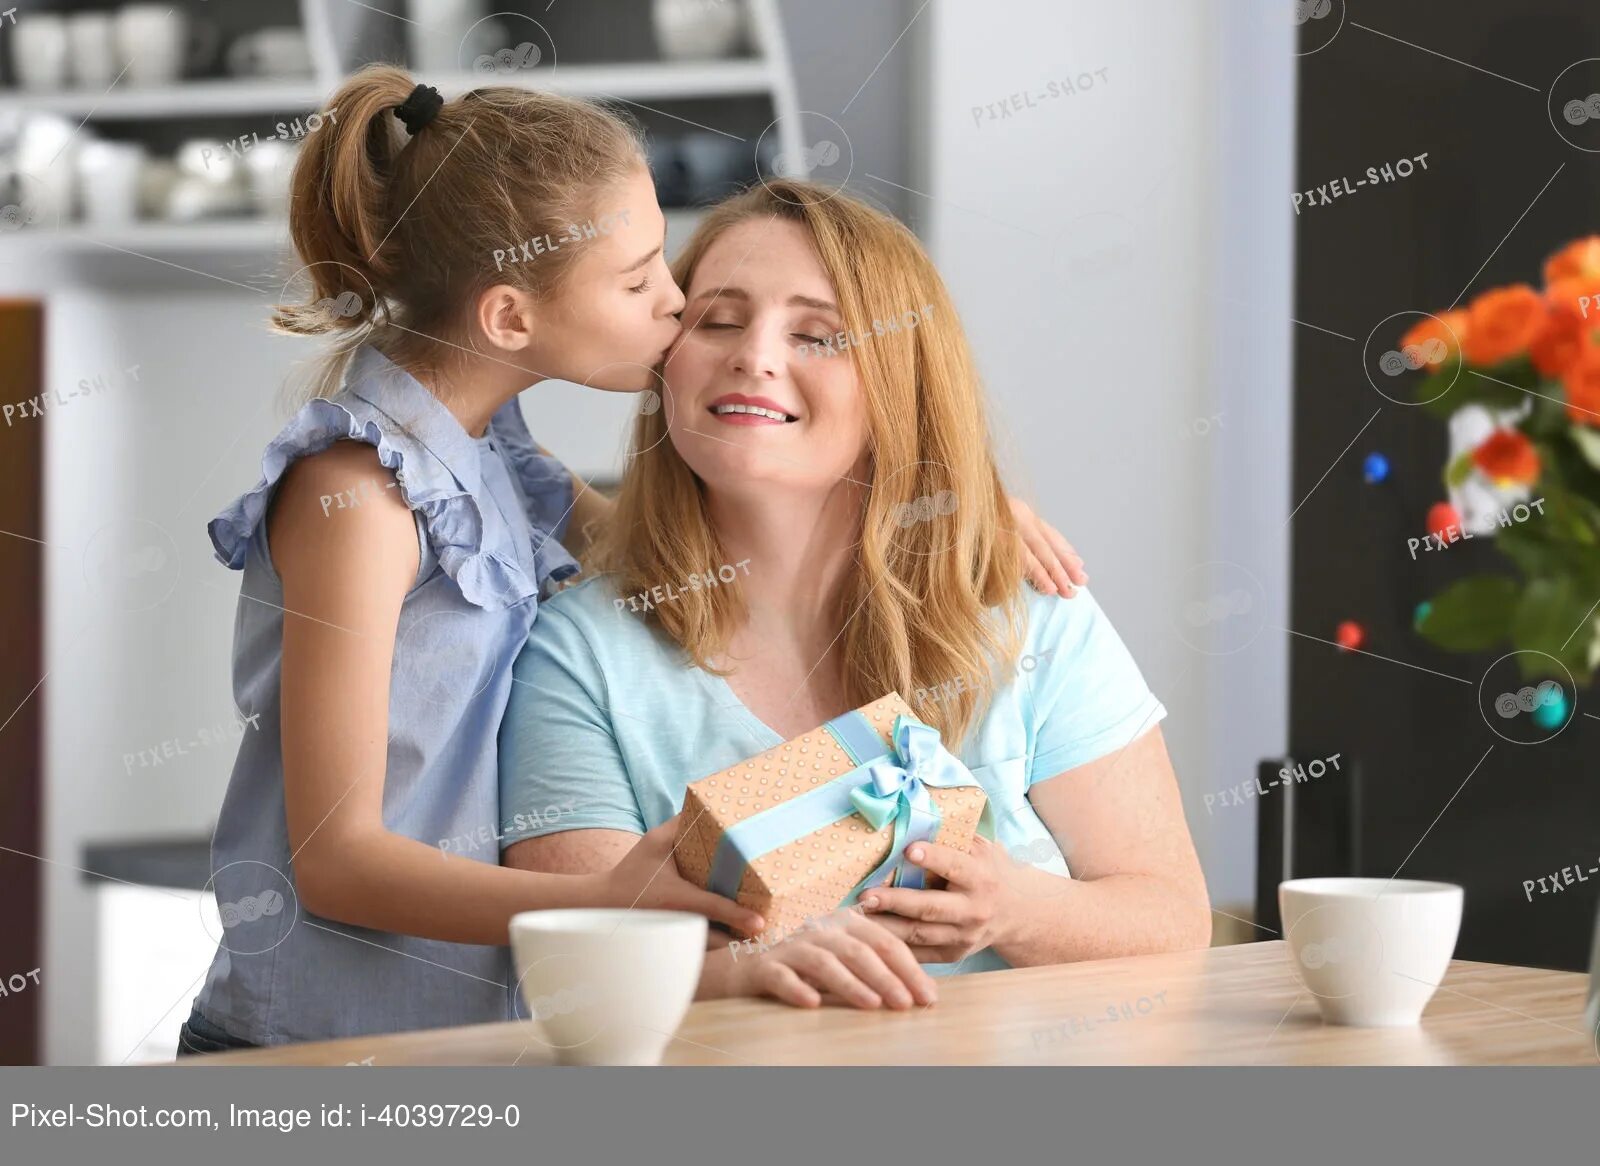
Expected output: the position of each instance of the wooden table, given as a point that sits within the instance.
(1239, 1005)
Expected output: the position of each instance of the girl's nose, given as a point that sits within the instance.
(674, 300)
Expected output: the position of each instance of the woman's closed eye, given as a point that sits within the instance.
(733, 325)
(642, 286)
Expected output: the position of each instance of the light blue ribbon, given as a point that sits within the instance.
(894, 786)
(899, 792)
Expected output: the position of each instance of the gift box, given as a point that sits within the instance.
(804, 828)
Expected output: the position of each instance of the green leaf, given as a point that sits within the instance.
(1552, 617)
(1548, 418)
(1454, 385)
(1588, 443)
(1459, 470)
(1538, 555)
(1472, 615)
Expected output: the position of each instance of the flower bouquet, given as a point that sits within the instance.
(1517, 372)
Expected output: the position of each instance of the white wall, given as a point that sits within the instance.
(1251, 258)
(169, 450)
(1090, 241)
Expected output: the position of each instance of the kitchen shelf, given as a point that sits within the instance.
(247, 249)
(643, 80)
(251, 253)
(185, 100)
(206, 235)
(219, 235)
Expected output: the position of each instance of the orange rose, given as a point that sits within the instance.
(1568, 326)
(1450, 328)
(1502, 323)
(1581, 257)
(1507, 458)
(1582, 381)
(1558, 346)
(1579, 294)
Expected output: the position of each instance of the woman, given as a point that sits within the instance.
(837, 499)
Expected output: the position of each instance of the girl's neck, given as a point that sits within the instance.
(473, 389)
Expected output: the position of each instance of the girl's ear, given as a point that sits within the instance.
(506, 316)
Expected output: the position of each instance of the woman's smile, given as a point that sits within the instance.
(738, 409)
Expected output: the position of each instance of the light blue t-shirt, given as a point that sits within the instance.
(609, 720)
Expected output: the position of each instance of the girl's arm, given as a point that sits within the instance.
(1050, 562)
(345, 574)
(590, 509)
(1137, 885)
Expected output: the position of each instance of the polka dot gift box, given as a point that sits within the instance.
(807, 826)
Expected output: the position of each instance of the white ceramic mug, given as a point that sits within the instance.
(271, 168)
(159, 43)
(690, 30)
(1372, 951)
(39, 51)
(437, 28)
(607, 986)
(270, 52)
(92, 43)
(109, 174)
(47, 155)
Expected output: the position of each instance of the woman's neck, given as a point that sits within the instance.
(799, 547)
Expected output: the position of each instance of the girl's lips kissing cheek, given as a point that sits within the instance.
(738, 409)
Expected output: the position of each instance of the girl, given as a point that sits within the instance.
(395, 548)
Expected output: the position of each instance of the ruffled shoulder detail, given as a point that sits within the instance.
(546, 485)
(484, 566)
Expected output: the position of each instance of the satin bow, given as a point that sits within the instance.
(899, 792)
(899, 781)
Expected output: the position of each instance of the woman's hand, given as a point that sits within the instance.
(848, 956)
(647, 878)
(943, 926)
(1052, 565)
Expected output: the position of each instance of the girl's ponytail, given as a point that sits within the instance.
(397, 231)
(339, 193)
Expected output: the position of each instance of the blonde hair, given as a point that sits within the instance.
(409, 225)
(919, 608)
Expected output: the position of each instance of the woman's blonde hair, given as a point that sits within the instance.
(936, 557)
(409, 225)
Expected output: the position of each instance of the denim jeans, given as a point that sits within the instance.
(199, 1035)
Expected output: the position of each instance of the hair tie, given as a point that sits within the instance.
(420, 108)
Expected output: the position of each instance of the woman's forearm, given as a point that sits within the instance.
(719, 974)
(387, 882)
(1051, 920)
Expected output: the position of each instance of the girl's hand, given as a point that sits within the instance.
(647, 878)
(1052, 565)
(946, 925)
(849, 957)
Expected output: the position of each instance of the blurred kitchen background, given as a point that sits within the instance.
(1104, 184)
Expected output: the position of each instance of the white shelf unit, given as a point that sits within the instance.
(263, 238)
(205, 235)
(767, 73)
(159, 102)
(644, 81)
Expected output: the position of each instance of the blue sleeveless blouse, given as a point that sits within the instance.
(489, 512)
